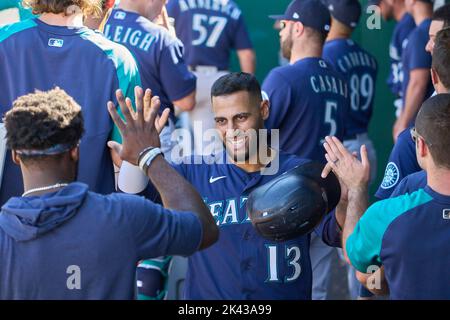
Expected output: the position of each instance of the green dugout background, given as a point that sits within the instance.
(266, 42)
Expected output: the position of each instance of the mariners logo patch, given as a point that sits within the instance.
(391, 176)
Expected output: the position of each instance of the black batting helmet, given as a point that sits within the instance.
(294, 203)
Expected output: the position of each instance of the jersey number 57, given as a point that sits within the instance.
(199, 23)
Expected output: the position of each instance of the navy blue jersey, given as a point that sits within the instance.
(209, 30)
(402, 162)
(242, 264)
(308, 101)
(360, 69)
(90, 68)
(398, 41)
(415, 57)
(45, 240)
(158, 54)
(411, 183)
(409, 236)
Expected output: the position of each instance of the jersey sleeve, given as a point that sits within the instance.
(178, 82)
(402, 162)
(364, 244)
(279, 93)
(419, 58)
(329, 230)
(157, 231)
(241, 39)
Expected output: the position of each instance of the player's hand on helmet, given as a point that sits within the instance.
(353, 173)
(139, 127)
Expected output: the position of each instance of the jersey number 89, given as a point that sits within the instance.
(361, 88)
(198, 24)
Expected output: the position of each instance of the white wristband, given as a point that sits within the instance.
(131, 179)
(148, 158)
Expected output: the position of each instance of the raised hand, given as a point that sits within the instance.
(141, 128)
(353, 173)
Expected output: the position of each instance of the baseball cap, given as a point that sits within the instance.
(347, 12)
(312, 13)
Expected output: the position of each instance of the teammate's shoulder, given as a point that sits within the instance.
(280, 73)
(418, 34)
(411, 183)
(396, 206)
(405, 137)
(116, 52)
(9, 30)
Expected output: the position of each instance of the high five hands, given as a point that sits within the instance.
(141, 128)
(352, 173)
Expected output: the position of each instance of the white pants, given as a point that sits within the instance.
(203, 113)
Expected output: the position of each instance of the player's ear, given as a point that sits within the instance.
(299, 28)
(15, 157)
(265, 109)
(422, 148)
(434, 77)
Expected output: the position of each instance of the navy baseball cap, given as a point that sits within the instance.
(312, 13)
(347, 12)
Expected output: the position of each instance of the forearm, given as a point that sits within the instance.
(375, 282)
(177, 194)
(341, 213)
(183, 197)
(247, 60)
(357, 205)
(415, 94)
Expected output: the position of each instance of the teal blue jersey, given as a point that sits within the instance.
(409, 235)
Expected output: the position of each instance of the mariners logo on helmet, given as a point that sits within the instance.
(391, 176)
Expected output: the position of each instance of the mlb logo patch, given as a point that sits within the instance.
(120, 15)
(446, 214)
(58, 43)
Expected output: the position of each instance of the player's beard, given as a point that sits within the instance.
(238, 158)
(286, 46)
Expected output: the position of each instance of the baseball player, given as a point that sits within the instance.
(210, 30)
(57, 50)
(416, 63)
(407, 235)
(308, 101)
(402, 160)
(395, 9)
(61, 241)
(439, 21)
(243, 265)
(360, 69)
(158, 54)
